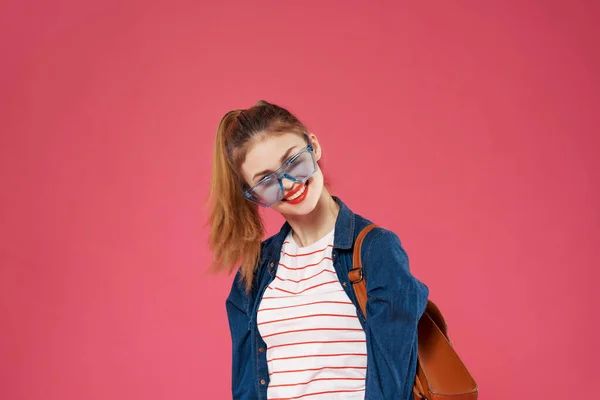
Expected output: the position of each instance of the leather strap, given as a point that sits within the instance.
(418, 389)
(440, 372)
(356, 273)
(360, 289)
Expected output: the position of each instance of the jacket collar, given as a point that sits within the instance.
(343, 234)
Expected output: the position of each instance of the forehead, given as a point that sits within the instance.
(267, 151)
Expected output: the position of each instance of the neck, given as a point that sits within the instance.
(307, 229)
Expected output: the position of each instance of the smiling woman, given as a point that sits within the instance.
(297, 329)
(252, 161)
(269, 186)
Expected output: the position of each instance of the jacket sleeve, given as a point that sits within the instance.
(242, 383)
(396, 301)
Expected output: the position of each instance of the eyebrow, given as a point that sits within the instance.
(283, 159)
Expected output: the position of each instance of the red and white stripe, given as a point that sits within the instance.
(316, 346)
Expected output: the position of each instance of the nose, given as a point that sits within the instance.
(287, 184)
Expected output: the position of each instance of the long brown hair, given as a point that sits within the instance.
(236, 228)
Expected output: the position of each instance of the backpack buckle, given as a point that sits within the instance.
(360, 278)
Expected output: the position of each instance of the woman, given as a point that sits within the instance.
(297, 330)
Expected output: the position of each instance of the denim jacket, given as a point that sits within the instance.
(396, 301)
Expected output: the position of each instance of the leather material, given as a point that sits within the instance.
(355, 274)
(441, 375)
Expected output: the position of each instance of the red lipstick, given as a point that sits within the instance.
(300, 198)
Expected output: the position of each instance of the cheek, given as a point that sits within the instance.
(316, 183)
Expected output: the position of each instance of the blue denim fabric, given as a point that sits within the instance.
(396, 301)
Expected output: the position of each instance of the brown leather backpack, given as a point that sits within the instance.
(441, 375)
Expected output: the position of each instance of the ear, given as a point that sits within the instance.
(316, 145)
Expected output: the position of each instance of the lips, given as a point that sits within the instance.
(287, 196)
(300, 198)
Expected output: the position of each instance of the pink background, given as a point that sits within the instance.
(470, 128)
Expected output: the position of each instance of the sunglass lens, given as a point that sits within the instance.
(301, 167)
(268, 192)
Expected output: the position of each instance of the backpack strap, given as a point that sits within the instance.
(356, 273)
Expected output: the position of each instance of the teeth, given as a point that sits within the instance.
(297, 194)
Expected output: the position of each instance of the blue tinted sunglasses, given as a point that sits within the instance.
(298, 168)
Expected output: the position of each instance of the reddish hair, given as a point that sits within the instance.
(236, 228)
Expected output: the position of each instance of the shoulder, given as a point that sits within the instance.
(381, 246)
(238, 292)
(380, 237)
(267, 243)
(267, 249)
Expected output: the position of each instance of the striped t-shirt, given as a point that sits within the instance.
(316, 347)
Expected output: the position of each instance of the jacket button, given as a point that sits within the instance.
(262, 349)
(344, 284)
(272, 264)
(262, 381)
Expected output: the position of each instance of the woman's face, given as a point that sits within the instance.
(268, 154)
